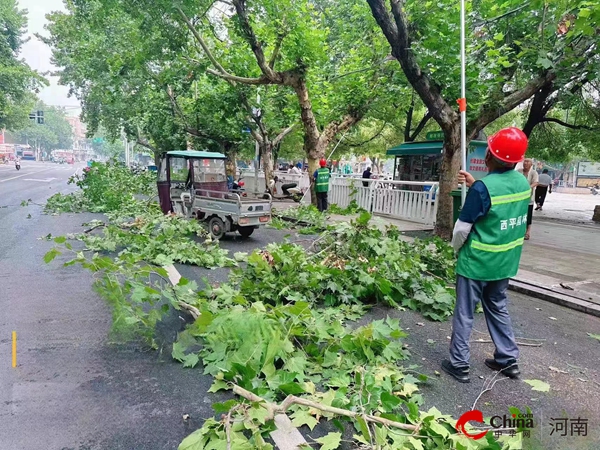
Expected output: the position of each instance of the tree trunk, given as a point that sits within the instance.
(450, 166)
(230, 163)
(266, 150)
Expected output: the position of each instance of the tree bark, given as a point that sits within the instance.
(450, 167)
(267, 160)
(229, 149)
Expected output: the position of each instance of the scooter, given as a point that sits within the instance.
(595, 190)
(17, 166)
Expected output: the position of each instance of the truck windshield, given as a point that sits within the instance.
(179, 169)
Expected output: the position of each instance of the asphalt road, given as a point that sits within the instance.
(74, 389)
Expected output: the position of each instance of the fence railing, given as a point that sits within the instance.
(407, 200)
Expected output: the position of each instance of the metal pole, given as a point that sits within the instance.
(336, 145)
(256, 161)
(463, 102)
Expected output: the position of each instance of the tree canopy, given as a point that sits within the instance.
(55, 133)
(17, 79)
(516, 50)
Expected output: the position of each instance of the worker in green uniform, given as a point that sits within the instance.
(321, 177)
(488, 237)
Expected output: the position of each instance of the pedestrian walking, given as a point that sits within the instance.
(532, 179)
(488, 237)
(543, 187)
(366, 176)
(321, 177)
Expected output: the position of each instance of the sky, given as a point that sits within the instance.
(38, 55)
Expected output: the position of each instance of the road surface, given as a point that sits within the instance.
(74, 389)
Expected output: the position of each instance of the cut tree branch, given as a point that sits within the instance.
(290, 400)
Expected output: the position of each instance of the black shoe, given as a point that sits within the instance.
(510, 369)
(538, 207)
(460, 373)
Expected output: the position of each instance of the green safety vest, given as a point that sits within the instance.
(493, 250)
(322, 184)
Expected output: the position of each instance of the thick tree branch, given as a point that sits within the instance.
(493, 110)
(397, 34)
(409, 118)
(242, 13)
(569, 125)
(235, 79)
(276, 50)
(420, 126)
(200, 41)
(375, 136)
(281, 136)
(309, 122)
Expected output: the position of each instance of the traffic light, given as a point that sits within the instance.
(37, 116)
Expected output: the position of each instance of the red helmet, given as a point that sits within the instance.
(508, 145)
(323, 162)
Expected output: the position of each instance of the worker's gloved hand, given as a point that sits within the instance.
(465, 177)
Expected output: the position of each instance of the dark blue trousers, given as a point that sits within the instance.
(493, 297)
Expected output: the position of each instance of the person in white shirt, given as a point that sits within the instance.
(533, 179)
(294, 169)
(544, 187)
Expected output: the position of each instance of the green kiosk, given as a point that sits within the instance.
(422, 161)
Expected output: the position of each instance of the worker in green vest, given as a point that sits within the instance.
(488, 237)
(321, 177)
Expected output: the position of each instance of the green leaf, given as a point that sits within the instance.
(362, 427)
(60, 239)
(538, 385)
(218, 385)
(331, 441)
(240, 256)
(594, 336)
(225, 407)
(49, 257)
(389, 401)
(291, 388)
(194, 441)
(302, 417)
(191, 360)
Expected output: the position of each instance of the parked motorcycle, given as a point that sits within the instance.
(595, 189)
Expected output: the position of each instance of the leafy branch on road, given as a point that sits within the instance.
(282, 328)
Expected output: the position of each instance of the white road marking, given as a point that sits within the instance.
(24, 175)
(45, 180)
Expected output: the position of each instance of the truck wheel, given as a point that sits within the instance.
(216, 228)
(246, 231)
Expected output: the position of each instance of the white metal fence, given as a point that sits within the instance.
(407, 200)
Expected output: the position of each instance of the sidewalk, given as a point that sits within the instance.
(560, 263)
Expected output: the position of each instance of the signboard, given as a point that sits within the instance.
(435, 136)
(588, 169)
(476, 160)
